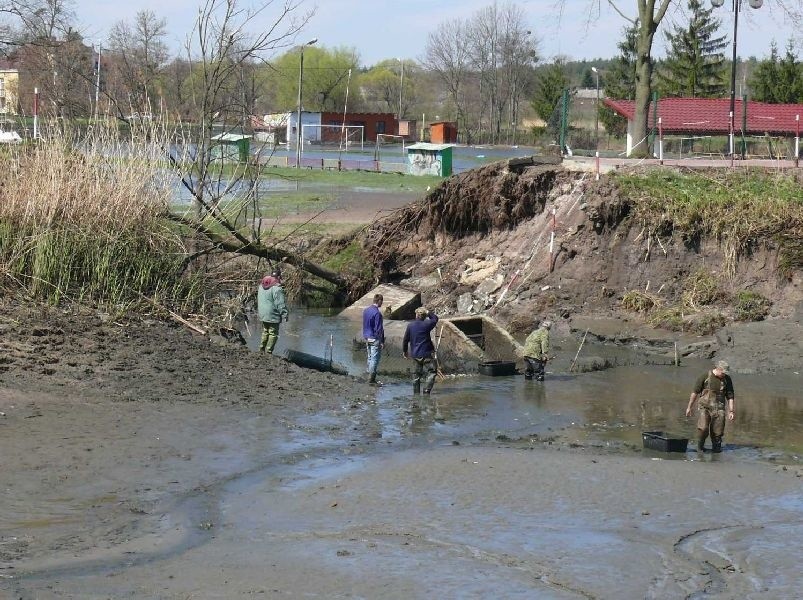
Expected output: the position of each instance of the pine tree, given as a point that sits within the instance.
(620, 82)
(790, 78)
(550, 83)
(764, 79)
(588, 79)
(695, 66)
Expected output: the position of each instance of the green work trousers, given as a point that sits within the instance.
(425, 369)
(270, 333)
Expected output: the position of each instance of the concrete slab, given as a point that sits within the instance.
(462, 342)
(400, 303)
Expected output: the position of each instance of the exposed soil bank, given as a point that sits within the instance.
(524, 244)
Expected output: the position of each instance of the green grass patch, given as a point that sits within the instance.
(271, 205)
(351, 259)
(386, 182)
(671, 318)
(636, 301)
(751, 306)
(701, 289)
(739, 208)
(65, 262)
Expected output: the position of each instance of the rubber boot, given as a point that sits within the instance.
(716, 445)
(700, 442)
(417, 387)
(372, 379)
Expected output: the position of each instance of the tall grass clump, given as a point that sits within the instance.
(740, 208)
(82, 217)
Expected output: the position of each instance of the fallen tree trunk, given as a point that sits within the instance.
(253, 248)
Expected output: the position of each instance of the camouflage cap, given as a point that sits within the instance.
(722, 366)
(421, 311)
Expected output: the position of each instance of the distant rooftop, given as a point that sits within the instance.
(710, 116)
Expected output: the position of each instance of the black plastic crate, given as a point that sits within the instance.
(495, 368)
(663, 442)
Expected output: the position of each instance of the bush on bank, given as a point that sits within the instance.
(740, 208)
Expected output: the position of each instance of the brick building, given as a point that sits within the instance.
(373, 123)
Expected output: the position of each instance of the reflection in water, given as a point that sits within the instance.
(614, 405)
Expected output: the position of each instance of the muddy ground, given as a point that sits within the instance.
(142, 460)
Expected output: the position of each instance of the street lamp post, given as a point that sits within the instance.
(298, 119)
(596, 112)
(97, 80)
(737, 5)
(401, 87)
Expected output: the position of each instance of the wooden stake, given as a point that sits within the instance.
(438, 370)
(175, 316)
(574, 362)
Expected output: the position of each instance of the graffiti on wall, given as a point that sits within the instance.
(425, 163)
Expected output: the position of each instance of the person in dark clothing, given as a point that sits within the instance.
(713, 390)
(417, 344)
(373, 332)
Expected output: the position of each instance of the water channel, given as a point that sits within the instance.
(609, 407)
(385, 496)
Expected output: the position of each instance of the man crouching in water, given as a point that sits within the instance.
(417, 344)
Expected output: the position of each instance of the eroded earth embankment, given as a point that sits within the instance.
(525, 243)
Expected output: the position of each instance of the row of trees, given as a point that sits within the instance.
(485, 65)
(649, 14)
(484, 71)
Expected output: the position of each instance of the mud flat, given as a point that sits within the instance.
(140, 460)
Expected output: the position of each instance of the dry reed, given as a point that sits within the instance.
(81, 216)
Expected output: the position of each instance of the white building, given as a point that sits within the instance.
(286, 122)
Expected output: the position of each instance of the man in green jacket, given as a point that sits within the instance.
(712, 390)
(272, 309)
(536, 351)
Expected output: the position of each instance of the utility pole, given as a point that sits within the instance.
(300, 82)
(401, 87)
(737, 6)
(97, 81)
(596, 112)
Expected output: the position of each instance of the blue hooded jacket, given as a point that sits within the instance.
(417, 337)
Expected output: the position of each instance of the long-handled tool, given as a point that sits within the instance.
(574, 361)
(438, 371)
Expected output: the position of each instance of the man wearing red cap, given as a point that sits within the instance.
(272, 308)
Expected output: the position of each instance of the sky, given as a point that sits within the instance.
(383, 29)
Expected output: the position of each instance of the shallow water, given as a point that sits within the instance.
(337, 492)
(612, 406)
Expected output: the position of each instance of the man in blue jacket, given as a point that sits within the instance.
(417, 344)
(373, 332)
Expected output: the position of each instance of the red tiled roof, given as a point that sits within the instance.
(710, 115)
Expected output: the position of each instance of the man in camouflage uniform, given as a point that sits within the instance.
(713, 389)
(536, 350)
